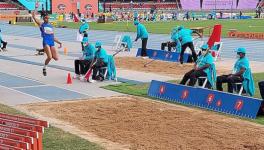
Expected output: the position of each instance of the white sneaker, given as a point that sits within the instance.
(144, 57)
(92, 81)
(82, 78)
(76, 76)
(4, 49)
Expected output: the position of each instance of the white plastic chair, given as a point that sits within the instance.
(205, 81)
(241, 88)
(117, 42)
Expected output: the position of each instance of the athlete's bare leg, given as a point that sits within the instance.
(49, 57)
(54, 53)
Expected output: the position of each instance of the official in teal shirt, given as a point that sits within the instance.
(89, 51)
(83, 64)
(83, 29)
(185, 36)
(204, 67)
(126, 41)
(101, 57)
(3, 47)
(143, 34)
(241, 74)
(175, 42)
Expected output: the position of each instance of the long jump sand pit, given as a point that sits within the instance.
(143, 123)
(160, 67)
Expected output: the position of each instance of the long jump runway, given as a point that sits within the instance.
(35, 89)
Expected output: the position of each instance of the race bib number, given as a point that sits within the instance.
(48, 30)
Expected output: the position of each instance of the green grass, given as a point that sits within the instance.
(142, 89)
(165, 27)
(57, 139)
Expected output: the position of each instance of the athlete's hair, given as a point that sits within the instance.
(45, 14)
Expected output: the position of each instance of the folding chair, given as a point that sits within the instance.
(204, 83)
(239, 92)
(105, 71)
(216, 50)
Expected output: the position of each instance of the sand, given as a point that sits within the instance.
(159, 67)
(143, 123)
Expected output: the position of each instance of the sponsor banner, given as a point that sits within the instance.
(164, 55)
(232, 104)
(247, 35)
(7, 17)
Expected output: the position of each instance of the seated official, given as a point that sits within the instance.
(2, 47)
(241, 74)
(101, 61)
(204, 67)
(83, 64)
(175, 42)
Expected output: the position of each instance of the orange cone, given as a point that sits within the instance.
(65, 51)
(69, 79)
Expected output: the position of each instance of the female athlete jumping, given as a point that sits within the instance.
(47, 34)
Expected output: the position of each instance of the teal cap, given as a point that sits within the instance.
(205, 47)
(241, 50)
(98, 44)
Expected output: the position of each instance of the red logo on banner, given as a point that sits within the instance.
(155, 54)
(210, 98)
(219, 103)
(239, 105)
(162, 89)
(185, 94)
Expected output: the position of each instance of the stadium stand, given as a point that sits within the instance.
(10, 5)
(7, 6)
(141, 6)
(183, 5)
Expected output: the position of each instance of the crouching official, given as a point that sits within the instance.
(203, 67)
(101, 62)
(241, 74)
(175, 42)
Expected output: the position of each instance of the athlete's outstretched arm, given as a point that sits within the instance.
(35, 19)
(57, 41)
